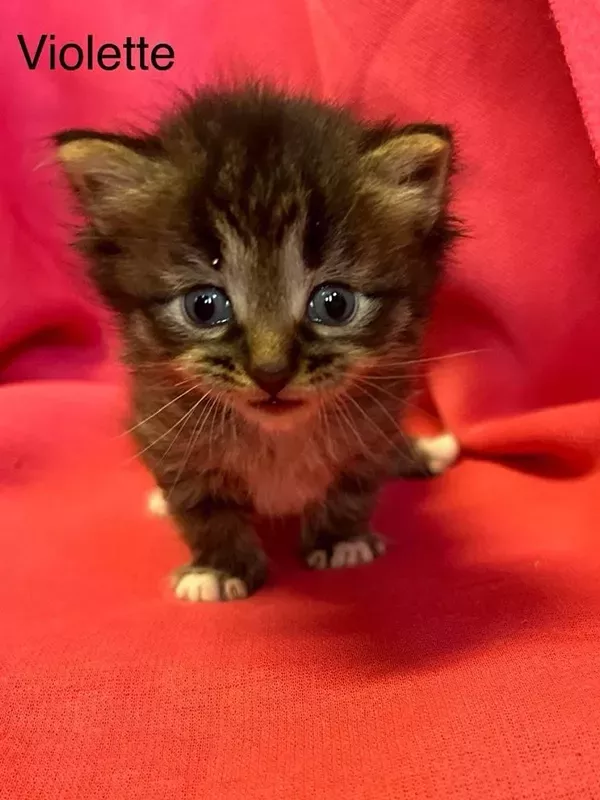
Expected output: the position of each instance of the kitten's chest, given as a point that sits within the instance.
(283, 475)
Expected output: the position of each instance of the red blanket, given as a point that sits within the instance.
(465, 664)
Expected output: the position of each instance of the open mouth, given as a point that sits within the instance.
(276, 405)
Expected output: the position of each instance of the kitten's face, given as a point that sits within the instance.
(271, 250)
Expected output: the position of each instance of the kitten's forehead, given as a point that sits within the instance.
(255, 163)
(256, 194)
(259, 191)
(264, 280)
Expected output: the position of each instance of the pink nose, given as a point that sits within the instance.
(271, 379)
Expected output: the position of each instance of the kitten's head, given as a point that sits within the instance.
(272, 248)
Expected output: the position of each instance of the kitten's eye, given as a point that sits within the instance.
(331, 305)
(208, 306)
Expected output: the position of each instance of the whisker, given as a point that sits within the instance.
(431, 359)
(166, 382)
(166, 433)
(345, 416)
(378, 429)
(212, 417)
(397, 376)
(182, 428)
(404, 401)
(392, 419)
(163, 387)
(324, 423)
(224, 412)
(162, 408)
(198, 427)
(340, 423)
(234, 427)
(361, 380)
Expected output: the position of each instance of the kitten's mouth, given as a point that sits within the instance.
(277, 405)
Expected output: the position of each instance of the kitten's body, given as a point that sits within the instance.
(318, 240)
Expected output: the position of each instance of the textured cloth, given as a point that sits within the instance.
(466, 663)
(579, 28)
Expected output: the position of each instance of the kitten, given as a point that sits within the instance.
(270, 261)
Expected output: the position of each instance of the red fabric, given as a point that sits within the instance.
(465, 664)
(579, 29)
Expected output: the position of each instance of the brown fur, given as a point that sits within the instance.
(266, 197)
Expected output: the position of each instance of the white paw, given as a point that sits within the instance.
(157, 504)
(350, 554)
(346, 554)
(209, 586)
(440, 452)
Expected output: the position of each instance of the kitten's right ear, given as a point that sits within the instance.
(412, 165)
(104, 168)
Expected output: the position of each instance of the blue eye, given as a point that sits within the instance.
(207, 307)
(331, 305)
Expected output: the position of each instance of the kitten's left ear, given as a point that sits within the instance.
(105, 170)
(415, 161)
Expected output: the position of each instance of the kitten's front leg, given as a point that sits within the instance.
(227, 562)
(337, 534)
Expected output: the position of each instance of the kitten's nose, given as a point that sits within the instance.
(271, 378)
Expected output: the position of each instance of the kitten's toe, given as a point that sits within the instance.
(205, 585)
(198, 586)
(348, 553)
(438, 452)
(234, 589)
(317, 559)
(157, 503)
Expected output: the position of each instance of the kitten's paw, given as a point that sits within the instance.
(157, 503)
(206, 585)
(348, 553)
(438, 452)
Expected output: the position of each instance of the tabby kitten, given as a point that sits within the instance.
(270, 261)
